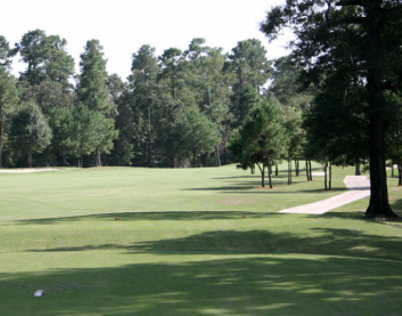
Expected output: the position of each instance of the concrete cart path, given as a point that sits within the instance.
(359, 188)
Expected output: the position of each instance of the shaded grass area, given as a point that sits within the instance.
(181, 248)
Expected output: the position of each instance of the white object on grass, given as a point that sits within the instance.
(39, 293)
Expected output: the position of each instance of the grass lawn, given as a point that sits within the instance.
(191, 242)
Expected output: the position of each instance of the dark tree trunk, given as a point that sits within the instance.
(29, 158)
(269, 171)
(325, 168)
(204, 159)
(276, 170)
(330, 176)
(218, 155)
(79, 162)
(357, 169)
(307, 173)
(310, 170)
(399, 174)
(262, 170)
(289, 171)
(297, 167)
(98, 160)
(379, 205)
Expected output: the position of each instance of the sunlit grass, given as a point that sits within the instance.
(190, 242)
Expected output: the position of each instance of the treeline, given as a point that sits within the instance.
(174, 110)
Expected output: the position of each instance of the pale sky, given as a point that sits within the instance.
(123, 26)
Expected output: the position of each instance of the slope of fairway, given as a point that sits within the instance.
(190, 242)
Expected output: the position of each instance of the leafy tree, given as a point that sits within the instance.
(8, 102)
(193, 134)
(261, 139)
(29, 131)
(360, 41)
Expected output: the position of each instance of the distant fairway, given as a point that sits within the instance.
(191, 242)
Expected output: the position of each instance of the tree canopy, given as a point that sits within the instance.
(359, 43)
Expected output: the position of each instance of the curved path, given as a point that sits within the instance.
(359, 187)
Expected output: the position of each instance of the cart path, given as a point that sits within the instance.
(359, 188)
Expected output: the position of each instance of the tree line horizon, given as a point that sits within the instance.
(330, 100)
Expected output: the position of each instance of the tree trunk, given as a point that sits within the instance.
(325, 168)
(262, 174)
(357, 169)
(307, 173)
(330, 176)
(289, 171)
(204, 159)
(276, 170)
(269, 171)
(218, 155)
(310, 170)
(399, 174)
(98, 158)
(379, 205)
(79, 162)
(29, 158)
(297, 167)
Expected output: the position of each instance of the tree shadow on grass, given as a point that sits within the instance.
(223, 286)
(322, 241)
(223, 273)
(150, 216)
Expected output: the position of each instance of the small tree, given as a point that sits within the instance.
(30, 132)
(193, 135)
(261, 139)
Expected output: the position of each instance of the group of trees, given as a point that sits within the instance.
(349, 53)
(177, 109)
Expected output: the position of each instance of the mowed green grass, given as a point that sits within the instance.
(191, 242)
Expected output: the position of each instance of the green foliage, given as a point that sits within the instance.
(261, 138)
(357, 46)
(46, 57)
(92, 89)
(8, 102)
(193, 134)
(29, 131)
(6, 53)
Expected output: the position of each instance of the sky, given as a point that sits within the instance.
(123, 26)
